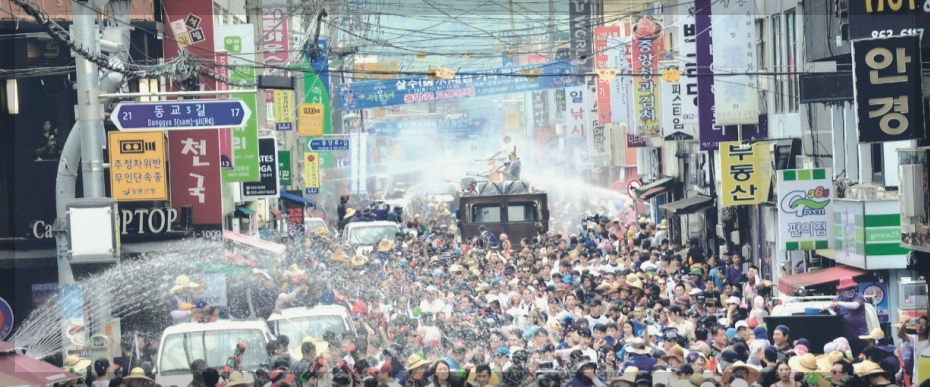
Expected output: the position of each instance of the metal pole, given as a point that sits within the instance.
(89, 111)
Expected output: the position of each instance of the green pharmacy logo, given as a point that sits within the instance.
(804, 203)
(233, 44)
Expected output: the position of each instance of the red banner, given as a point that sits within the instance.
(274, 44)
(536, 58)
(189, 26)
(195, 174)
(601, 34)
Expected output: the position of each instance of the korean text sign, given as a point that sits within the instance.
(576, 123)
(137, 166)
(238, 41)
(602, 35)
(647, 52)
(805, 209)
(267, 186)
(310, 122)
(312, 170)
(745, 173)
(736, 100)
(195, 174)
(284, 167)
(888, 89)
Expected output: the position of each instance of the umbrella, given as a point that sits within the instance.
(22, 370)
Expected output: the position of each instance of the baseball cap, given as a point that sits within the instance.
(741, 324)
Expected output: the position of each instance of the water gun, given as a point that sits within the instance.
(234, 362)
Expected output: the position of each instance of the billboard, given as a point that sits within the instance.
(267, 185)
(195, 174)
(238, 41)
(888, 89)
(805, 209)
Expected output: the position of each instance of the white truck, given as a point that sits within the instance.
(212, 342)
(300, 323)
(364, 236)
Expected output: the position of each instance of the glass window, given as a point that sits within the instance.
(371, 235)
(486, 213)
(522, 212)
(181, 349)
(314, 326)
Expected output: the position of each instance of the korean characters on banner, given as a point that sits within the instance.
(888, 89)
(687, 54)
(597, 138)
(673, 127)
(540, 106)
(267, 186)
(606, 73)
(746, 173)
(312, 172)
(709, 133)
(275, 42)
(805, 209)
(621, 86)
(310, 121)
(195, 174)
(735, 96)
(284, 168)
(576, 125)
(191, 26)
(647, 52)
(137, 166)
(238, 41)
(283, 109)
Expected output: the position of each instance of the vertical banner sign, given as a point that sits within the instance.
(888, 89)
(316, 85)
(311, 120)
(805, 209)
(358, 163)
(602, 36)
(560, 104)
(621, 85)
(745, 173)
(137, 166)
(687, 54)
(284, 168)
(647, 52)
(191, 25)
(312, 172)
(575, 107)
(540, 104)
(238, 41)
(673, 129)
(226, 152)
(195, 174)
(597, 138)
(274, 42)
(267, 186)
(709, 133)
(283, 109)
(735, 97)
(579, 14)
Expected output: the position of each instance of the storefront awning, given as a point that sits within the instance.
(246, 210)
(787, 285)
(299, 199)
(688, 206)
(254, 242)
(657, 187)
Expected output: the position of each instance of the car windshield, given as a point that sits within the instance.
(371, 235)
(311, 326)
(181, 349)
(441, 189)
(314, 224)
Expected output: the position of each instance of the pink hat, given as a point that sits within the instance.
(846, 282)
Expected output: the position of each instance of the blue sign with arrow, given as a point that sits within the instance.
(181, 115)
(482, 83)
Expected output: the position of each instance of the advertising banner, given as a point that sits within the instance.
(580, 42)
(867, 234)
(316, 84)
(687, 55)
(226, 152)
(888, 89)
(647, 52)
(283, 109)
(267, 185)
(195, 174)
(621, 86)
(735, 96)
(137, 166)
(358, 166)
(745, 173)
(540, 105)
(376, 70)
(274, 43)
(805, 209)
(312, 171)
(709, 133)
(878, 291)
(880, 19)
(673, 127)
(238, 41)
(482, 83)
(450, 126)
(311, 120)
(597, 137)
(575, 124)
(284, 168)
(602, 36)
(191, 25)
(634, 141)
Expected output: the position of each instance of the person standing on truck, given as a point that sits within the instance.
(180, 302)
(502, 153)
(513, 167)
(850, 305)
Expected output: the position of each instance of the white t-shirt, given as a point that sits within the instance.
(919, 346)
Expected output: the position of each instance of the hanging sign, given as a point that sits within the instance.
(267, 185)
(888, 89)
(238, 41)
(195, 174)
(745, 173)
(647, 52)
(137, 166)
(673, 126)
(283, 109)
(310, 122)
(735, 96)
(687, 55)
(284, 167)
(576, 125)
(605, 73)
(805, 209)
(312, 171)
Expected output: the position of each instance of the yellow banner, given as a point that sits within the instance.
(746, 173)
(283, 106)
(312, 170)
(310, 122)
(137, 166)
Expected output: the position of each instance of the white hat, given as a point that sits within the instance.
(431, 288)
(652, 330)
(513, 282)
(733, 300)
(694, 292)
(741, 324)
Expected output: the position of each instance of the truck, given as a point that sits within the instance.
(300, 323)
(504, 207)
(362, 237)
(214, 342)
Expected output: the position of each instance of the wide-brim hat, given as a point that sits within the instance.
(415, 361)
(235, 379)
(338, 256)
(349, 213)
(825, 361)
(358, 260)
(752, 373)
(181, 282)
(634, 281)
(804, 363)
(846, 283)
(385, 245)
(638, 346)
(76, 362)
(875, 334)
(138, 373)
(628, 375)
(663, 225)
(444, 212)
(199, 287)
(294, 270)
(867, 368)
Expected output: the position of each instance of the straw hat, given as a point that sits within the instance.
(825, 361)
(629, 375)
(200, 286)
(752, 374)
(349, 213)
(137, 373)
(804, 363)
(293, 270)
(76, 362)
(358, 260)
(181, 282)
(868, 368)
(321, 231)
(634, 281)
(875, 334)
(638, 346)
(663, 225)
(235, 379)
(415, 361)
(338, 256)
(444, 212)
(385, 245)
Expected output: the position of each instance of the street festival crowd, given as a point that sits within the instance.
(610, 302)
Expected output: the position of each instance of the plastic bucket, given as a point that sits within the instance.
(811, 311)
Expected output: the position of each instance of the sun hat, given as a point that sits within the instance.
(696, 378)
(677, 353)
(804, 363)
(235, 379)
(733, 300)
(294, 270)
(349, 213)
(751, 376)
(358, 260)
(76, 362)
(825, 361)
(138, 373)
(638, 347)
(741, 324)
(663, 225)
(182, 281)
(628, 375)
(875, 334)
(846, 283)
(415, 361)
(385, 245)
(867, 368)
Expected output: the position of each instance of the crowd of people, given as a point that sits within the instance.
(617, 302)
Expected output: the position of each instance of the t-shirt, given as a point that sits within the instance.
(919, 346)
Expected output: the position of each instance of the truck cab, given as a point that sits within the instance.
(509, 207)
(363, 236)
(299, 323)
(214, 342)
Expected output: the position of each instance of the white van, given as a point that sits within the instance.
(364, 236)
(298, 323)
(213, 342)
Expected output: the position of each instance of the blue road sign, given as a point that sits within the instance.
(181, 115)
(329, 145)
(311, 191)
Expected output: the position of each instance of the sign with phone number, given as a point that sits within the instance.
(884, 18)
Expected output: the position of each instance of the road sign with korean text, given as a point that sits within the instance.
(137, 166)
(180, 115)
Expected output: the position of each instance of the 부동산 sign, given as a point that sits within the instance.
(745, 173)
(805, 209)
